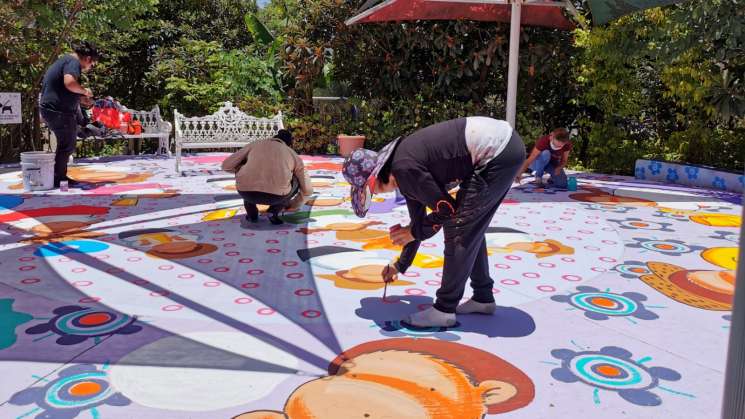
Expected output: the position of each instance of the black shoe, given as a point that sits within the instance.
(274, 219)
(247, 221)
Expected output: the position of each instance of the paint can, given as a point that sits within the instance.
(64, 186)
(38, 170)
(572, 183)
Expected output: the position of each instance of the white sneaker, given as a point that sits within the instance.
(431, 317)
(471, 306)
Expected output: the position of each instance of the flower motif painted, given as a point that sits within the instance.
(639, 224)
(613, 369)
(655, 167)
(671, 216)
(691, 172)
(632, 269)
(78, 388)
(668, 247)
(74, 324)
(618, 209)
(719, 183)
(672, 175)
(602, 305)
(640, 173)
(726, 235)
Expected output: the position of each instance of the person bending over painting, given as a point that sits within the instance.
(269, 172)
(482, 156)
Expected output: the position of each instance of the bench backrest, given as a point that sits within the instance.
(226, 126)
(151, 120)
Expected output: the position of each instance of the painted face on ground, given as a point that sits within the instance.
(724, 257)
(347, 230)
(599, 196)
(410, 378)
(709, 290)
(166, 244)
(57, 223)
(326, 201)
(362, 277)
(321, 182)
(542, 249)
(717, 220)
(111, 174)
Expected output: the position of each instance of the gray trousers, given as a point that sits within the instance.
(465, 240)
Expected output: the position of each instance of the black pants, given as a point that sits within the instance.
(65, 129)
(465, 240)
(277, 203)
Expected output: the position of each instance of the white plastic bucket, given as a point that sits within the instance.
(38, 170)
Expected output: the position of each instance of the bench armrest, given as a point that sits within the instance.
(165, 127)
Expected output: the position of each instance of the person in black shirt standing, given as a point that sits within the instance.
(60, 101)
(482, 156)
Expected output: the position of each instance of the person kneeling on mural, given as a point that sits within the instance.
(550, 154)
(60, 102)
(480, 154)
(269, 172)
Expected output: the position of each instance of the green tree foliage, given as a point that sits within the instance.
(197, 76)
(34, 33)
(667, 83)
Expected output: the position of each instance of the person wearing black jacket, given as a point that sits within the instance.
(480, 155)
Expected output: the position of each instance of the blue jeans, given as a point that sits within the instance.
(543, 164)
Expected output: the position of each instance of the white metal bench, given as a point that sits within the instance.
(226, 128)
(153, 126)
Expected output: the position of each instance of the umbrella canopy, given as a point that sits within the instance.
(545, 13)
(603, 11)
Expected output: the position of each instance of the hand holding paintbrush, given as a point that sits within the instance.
(389, 271)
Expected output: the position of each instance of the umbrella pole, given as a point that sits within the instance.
(734, 381)
(513, 61)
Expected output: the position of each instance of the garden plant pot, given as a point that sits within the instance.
(349, 143)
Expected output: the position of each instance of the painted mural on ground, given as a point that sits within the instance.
(116, 294)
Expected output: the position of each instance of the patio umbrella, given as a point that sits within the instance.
(545, 13)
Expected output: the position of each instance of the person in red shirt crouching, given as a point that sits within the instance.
(550, 154)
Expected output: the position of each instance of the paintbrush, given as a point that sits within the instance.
(385, 286)
(385, 270)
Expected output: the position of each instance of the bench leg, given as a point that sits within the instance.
(178, 160)
(164, 147)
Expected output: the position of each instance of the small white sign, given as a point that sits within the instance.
(10, 108)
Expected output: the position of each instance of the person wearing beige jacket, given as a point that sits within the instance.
(269, 172)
